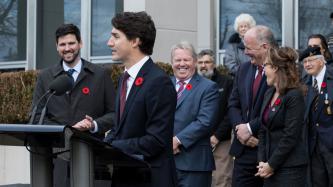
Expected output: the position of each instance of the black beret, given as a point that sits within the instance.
(310, 51)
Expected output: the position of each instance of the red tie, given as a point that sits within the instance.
(123, 92)
(256, 83)
(180, 89)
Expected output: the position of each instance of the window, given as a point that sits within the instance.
(102, 13)
(314, 18)
(72, 12)
(13, 21)
(264, 12)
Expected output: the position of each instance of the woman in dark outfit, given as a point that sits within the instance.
(281, 153)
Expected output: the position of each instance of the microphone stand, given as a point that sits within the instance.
(34, 110)
(41, 119)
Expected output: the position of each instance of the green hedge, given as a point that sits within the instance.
(16, 89)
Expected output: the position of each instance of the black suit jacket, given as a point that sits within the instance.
(72, 107)
(222, 131)
(280, 140)
(146, 126)
(241, 108)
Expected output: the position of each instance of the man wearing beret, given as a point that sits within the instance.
(319, 116)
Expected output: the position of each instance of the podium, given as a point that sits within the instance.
(85, 150)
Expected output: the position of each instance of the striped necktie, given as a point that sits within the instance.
(315, 101)
(180, 89)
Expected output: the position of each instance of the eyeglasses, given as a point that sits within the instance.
(310, 61)
(266, 64)
(204, 62)
(253, 49)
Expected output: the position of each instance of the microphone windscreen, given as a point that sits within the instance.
(61, 84)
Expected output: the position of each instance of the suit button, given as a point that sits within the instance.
(317, 124)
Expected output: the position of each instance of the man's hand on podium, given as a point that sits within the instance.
(85, 124)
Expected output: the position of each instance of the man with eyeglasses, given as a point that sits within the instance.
(318, 116)
(220, 139)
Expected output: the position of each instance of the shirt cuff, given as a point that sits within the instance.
(249, 128)
(180, 143)
(95, 129)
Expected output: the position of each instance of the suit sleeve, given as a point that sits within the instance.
(160, 106)
(223, 130)
(106, 121)
(205, 120)
(292, 131)
(262, 145)
(234, 105)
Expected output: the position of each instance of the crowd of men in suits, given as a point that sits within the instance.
(183, 126)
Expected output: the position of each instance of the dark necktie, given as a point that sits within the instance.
(256, 83)
(123, 93)
(180, 89)
(315, 87)
(70, 72)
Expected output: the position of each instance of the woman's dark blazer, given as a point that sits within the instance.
(280, 140)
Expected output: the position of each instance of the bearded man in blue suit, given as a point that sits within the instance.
(196, 116)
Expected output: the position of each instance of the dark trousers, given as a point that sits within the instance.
(245, 168)
(321, 166)
(61, 173)
(194, 178)
(287, 177)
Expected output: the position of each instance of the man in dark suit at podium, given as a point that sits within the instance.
(88, 106)
(145, 102)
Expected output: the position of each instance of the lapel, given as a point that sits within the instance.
(120, 79)
(329, 81)
(267, 99)
(57, 70)
(310, 94)
(86, 67)
(274, 109)
(250, 79)
(133, 92)
(194, 82)
(321, 105)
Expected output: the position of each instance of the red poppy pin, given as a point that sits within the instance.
(277, 102)
(323, 84)
(188, 86)
(138, 81)
(85, 90)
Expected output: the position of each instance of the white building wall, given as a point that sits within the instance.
(175, 21)
(14, 165)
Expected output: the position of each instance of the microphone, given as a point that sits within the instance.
(61, 84)
(58, 86)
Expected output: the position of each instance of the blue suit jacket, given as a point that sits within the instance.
(196, 115)
(146, 126)
(325, 122)
(241, 108)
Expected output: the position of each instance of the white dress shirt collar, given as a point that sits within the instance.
(133, 72)
(77, 69)
(320, 77)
